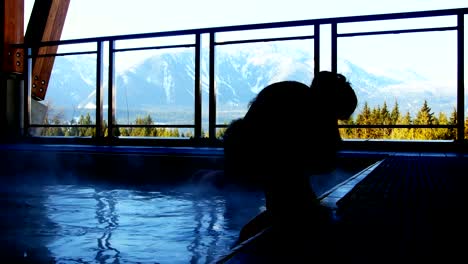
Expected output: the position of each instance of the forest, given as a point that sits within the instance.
(378, 115)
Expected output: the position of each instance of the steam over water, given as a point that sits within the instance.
(96, 223)
(84, 224)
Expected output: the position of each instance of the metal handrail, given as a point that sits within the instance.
(212, 31)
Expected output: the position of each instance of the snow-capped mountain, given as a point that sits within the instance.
(166, 80)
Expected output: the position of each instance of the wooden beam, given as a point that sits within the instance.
(46, 24)
(12, 33)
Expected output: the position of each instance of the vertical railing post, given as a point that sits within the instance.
(334, 48)
(316, 49)
(26, 93)
(198, 95)
(212, 95)
(111, 92)
(460, 79)
(99, 90)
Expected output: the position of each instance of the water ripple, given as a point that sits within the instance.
(106, 225)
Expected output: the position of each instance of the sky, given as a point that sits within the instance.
(92, 18)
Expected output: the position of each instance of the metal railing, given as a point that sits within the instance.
(211, 33)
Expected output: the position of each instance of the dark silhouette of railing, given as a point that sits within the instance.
(211, 33)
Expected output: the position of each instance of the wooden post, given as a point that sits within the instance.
(12, 33)
(46, 24)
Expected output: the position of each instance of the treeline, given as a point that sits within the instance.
(379, 115)
(85, 131)
(382, 115)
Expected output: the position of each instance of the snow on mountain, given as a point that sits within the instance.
(166, 80)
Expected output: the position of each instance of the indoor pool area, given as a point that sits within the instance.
(69, 211)
(178, 132)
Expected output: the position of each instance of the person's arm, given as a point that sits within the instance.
(257, 224)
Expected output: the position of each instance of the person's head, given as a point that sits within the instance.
(336, 92)
(291, 125)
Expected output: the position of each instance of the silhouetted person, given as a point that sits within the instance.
(289, 132)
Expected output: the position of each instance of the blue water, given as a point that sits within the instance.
(89, 224)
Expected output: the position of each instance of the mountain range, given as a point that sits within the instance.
(164, 82)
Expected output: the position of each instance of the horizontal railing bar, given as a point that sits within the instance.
(156, 47)
(132, 126)
(226, 125)
(397, 126)
(377, 126)
(396, 31)
(403, 15)
(156, 126)
(63, 54)
(262, 40)
(51, 125)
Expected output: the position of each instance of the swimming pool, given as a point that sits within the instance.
(93, 224)
(88, 206)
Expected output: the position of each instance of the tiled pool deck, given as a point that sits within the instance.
(418, 223)
(330, 198)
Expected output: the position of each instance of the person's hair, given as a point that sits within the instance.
(337, 87)
(262, 142)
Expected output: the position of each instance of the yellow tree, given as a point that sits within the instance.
(364, 118)
(403, 133)
(424, 117)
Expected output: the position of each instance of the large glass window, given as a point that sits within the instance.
(154, 87)
(402, 79)
(404, 76)
(69, 105)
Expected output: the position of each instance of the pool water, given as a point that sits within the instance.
(80, 222)
(151, 224)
